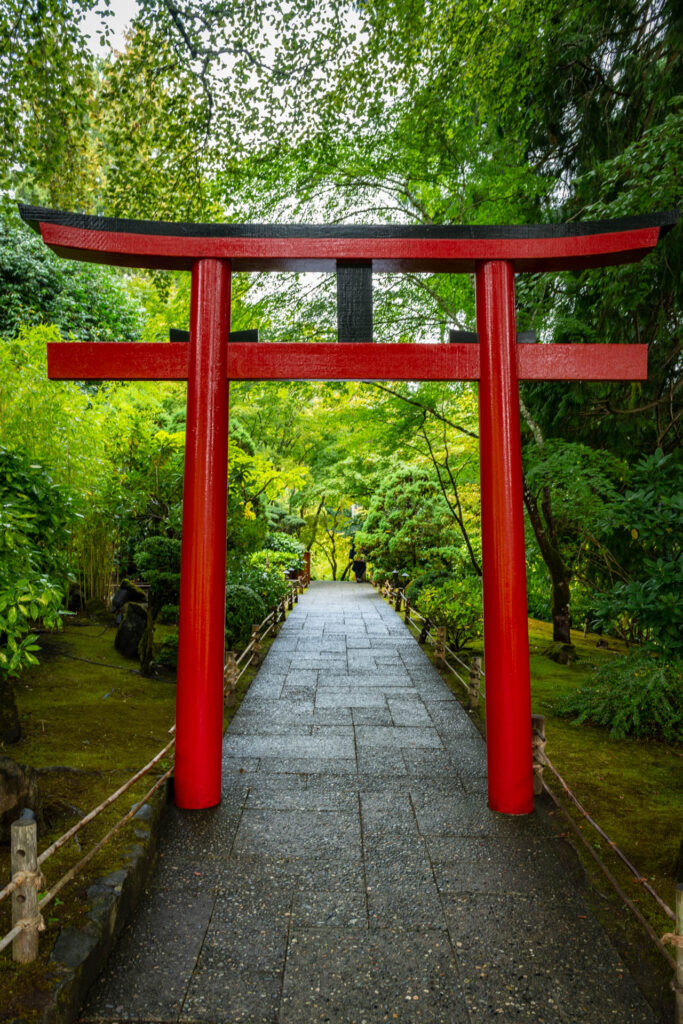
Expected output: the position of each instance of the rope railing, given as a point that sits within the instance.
(542, 760)
(27, 879)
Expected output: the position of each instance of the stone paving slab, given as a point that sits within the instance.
(354, 873)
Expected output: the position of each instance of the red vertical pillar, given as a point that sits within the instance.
(506, 644)
(201, 642)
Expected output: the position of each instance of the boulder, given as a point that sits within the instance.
(128, 591)
(563, 654)
(18, 789)
(132, 626)
(97, 610)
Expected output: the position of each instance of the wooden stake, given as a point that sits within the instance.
(24, 861)
(230, 679)
(440, 652)
(256, 651)
(397, 603)
(678, 977)
(422, 639)
(538, 751)
(276, 624)
(475, 684)
(406, 613)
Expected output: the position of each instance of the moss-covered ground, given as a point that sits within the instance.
(89, 722)
(632, 788)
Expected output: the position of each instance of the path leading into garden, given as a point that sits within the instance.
(353, 873)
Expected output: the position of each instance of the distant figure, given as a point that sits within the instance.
(359, 568)
(350, 564)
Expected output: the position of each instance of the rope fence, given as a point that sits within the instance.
(396, 596)
(27, 877)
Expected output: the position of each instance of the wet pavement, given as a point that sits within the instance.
(353, 873)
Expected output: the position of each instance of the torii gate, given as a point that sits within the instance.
(211, 252)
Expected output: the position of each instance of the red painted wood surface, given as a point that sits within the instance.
(506, 645)
(357, 361)
(201, 634)
(435, 255)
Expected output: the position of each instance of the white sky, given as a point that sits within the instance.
(123, 13)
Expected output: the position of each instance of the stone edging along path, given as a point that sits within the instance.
(353, 872)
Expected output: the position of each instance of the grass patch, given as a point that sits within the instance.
(89, 721)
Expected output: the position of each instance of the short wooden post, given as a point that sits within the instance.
(295, 591)
(274, 611)
(283, 610)
(290, 598)
(24, 862)
(256, 649)
(440, 651)
(406, 613)
(230, 677)
(475, 684)
(677, 983)
(538, 751)
(397, 602)
(422, 639)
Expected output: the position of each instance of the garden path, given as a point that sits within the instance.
(353, 872)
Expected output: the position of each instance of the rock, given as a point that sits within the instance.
(18, 790)
(602, 643)
(127, 592)
(563, 654)
(97, 610)
(132, 626)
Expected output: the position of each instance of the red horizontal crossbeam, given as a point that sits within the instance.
(339, 361)
(428, 248)
(442, 255)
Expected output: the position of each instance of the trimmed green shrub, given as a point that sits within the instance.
(268, 581)
(640, 695)
(167, 655)
(243, 608)
(158, 559)
(457, 605)
(278, 541)
(168, 615)
(285, 561)
(432, 578)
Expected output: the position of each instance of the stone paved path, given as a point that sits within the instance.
(353, 873)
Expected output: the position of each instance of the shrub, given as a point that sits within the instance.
(168, 615)
(267, 581)
(278, 541)
(432, 578)
(158, 559)
(640, 695)
(243, 608)
(284, 560)
(167, 655)
(457, 605)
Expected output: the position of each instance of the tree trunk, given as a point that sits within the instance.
(10, 729)
(560, 574)
(560, 609)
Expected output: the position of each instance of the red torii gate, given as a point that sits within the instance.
(211, 252)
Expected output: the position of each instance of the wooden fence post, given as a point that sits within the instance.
(397, 602)
(475, 684)
(538, 751)
(677, 983)
(230, 677)
(295, 591)
(290, 598)
(256, 650)
(283, 610)
(406, 613)
(24, 862)
(440, 651)
(275, 612)
(422, 639)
